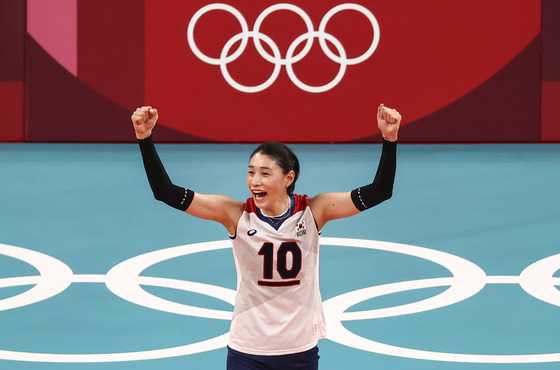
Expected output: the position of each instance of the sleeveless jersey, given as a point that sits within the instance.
(278, 306)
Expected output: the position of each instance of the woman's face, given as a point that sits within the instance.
(268, 183)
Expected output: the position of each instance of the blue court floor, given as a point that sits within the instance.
(459, 270)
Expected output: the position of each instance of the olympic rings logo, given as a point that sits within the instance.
(276, 59)
(124, 281)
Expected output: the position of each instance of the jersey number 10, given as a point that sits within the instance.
(288, 274)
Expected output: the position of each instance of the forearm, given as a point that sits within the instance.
(162, 187)
(381, 188)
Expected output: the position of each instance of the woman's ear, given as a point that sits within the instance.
(290, 176)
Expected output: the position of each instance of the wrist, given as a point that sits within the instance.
(144, 135)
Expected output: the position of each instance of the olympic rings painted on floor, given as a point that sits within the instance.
(290, 58)
(54, 277)
(124, 280)
(537, 280)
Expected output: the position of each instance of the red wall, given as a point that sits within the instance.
(460, 71)
(12, 70)
(551, 71)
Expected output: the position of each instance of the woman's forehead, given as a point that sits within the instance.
(262, 161)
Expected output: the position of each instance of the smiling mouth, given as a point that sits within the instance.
(259, 195)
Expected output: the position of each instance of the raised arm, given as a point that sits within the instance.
(330, 206)
(218, 208)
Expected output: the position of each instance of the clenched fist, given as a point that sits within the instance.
(144, 119)
(388, 121)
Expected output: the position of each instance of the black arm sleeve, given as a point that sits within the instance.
(162, 187)
(381, 188)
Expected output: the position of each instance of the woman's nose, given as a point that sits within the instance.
(256, 179)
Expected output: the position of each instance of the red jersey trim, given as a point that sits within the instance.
(250, 206)
(300, 203)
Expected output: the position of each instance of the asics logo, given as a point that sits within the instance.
(277, 59)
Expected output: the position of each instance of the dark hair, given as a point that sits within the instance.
(283, 156)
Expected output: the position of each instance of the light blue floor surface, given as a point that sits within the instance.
(459, 270)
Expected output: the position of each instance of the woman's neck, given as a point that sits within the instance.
(279, 210)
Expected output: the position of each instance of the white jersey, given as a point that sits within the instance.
(278, 306)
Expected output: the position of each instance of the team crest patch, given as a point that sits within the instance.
(300, 229)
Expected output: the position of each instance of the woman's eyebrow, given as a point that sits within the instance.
(264, 167)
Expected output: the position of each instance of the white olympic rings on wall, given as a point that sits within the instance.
(277, 59)
(124, 280)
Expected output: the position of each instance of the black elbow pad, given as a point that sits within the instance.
(176, 197)
(370, 195)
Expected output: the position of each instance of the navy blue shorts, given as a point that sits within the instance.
(308, 360)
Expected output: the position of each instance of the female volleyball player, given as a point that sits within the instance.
(278, 317)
